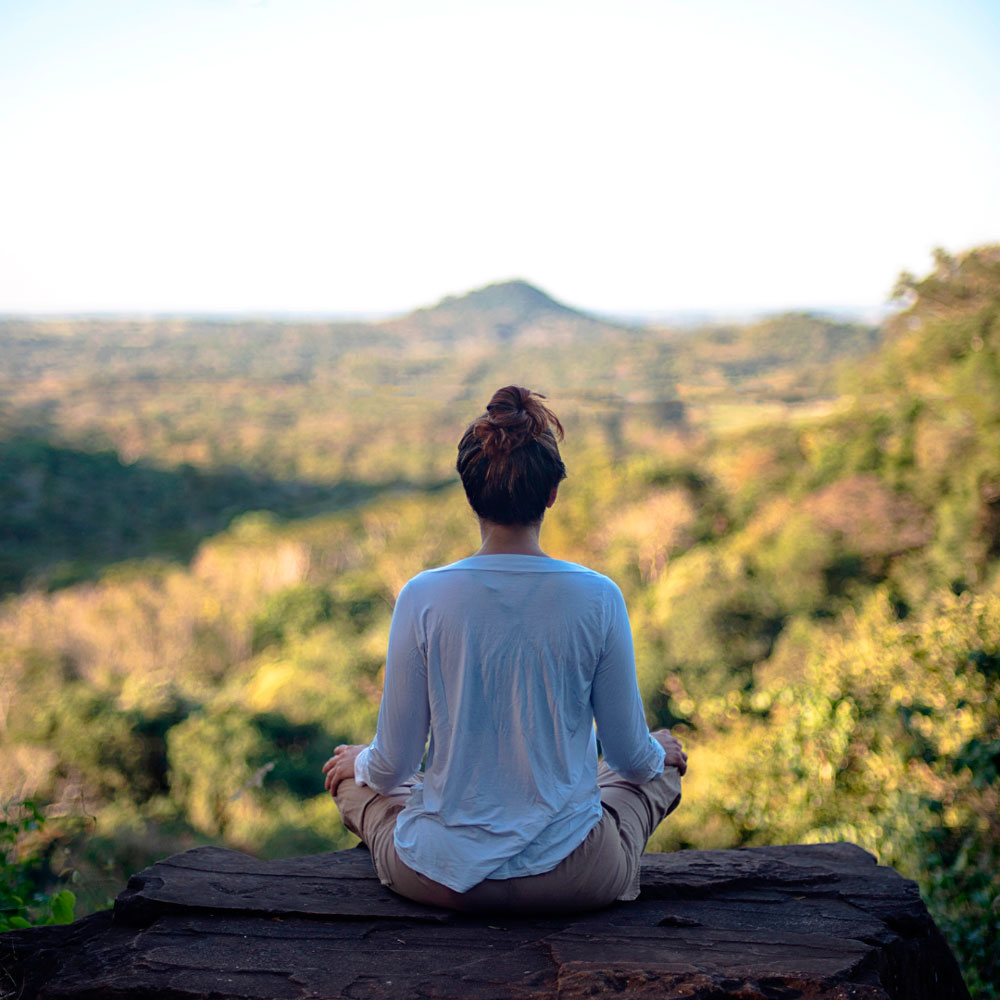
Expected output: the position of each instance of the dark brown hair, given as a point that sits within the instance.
(508, 458)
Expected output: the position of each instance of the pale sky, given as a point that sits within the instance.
(370, 156)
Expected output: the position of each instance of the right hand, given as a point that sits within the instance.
(673, 755)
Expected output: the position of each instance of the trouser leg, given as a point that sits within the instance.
(372, 817)
(638, 810)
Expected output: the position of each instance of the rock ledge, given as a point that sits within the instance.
(767, 923)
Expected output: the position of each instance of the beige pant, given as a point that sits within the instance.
(605, 867)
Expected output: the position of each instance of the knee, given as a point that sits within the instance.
(352, 801)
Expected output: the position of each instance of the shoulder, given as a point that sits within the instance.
(586, 588)
(601, 593)
(430, 581)
(587, 577)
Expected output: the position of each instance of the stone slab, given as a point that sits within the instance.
(821, 921)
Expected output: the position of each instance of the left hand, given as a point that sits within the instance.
(340, 767)
(673, 754)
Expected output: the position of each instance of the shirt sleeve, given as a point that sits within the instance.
(404, 715)
(629, 749)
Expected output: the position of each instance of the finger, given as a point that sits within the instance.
(336, 777)
(339, 772)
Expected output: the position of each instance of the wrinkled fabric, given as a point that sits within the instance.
(506, 661)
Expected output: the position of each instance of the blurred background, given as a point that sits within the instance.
(261, 263)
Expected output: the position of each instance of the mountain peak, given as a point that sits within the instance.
(506, 311)
(517, 295)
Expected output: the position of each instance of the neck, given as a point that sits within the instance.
(509, 539)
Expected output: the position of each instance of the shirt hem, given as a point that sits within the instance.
(460, 886)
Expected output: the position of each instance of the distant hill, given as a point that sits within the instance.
(508, 312)
(778, 341)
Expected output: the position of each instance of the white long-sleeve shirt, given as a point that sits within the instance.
(506, 660)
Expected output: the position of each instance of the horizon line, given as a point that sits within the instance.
(870, 312)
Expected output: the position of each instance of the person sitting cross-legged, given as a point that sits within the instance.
(498, 667)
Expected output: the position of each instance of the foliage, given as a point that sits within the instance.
(888, 737)
(291, 612)
(22, 903)
(792, 354)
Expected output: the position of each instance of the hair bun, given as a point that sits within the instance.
(514, 416)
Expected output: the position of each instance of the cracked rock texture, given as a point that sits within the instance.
(765, 923)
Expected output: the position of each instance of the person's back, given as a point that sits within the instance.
(508, 647)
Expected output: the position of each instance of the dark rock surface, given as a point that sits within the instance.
(766, 923)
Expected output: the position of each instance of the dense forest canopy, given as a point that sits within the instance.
(204, 525)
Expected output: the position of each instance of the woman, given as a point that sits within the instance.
(506, 659)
